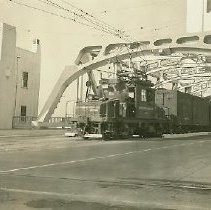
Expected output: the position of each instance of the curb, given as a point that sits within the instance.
(185, 135)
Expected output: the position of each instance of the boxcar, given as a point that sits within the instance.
(188, 113)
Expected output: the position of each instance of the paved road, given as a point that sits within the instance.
(62, 173)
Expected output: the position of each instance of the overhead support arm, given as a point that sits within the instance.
(93, 82)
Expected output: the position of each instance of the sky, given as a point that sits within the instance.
(62, 39)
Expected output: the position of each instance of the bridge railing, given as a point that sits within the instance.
(23, 121)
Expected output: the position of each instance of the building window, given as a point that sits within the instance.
(143, 95)
(23, 110)
(23, 113)
(208, 5)
(25, 76)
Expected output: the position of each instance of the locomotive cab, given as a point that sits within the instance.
(132, 114)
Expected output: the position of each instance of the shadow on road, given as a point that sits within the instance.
(79, 205)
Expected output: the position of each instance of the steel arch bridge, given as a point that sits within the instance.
(182, 61)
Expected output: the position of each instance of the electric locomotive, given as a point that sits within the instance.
(133, 112)
(127, 109)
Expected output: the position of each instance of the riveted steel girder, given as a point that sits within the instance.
(166, 53)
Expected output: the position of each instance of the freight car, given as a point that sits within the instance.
(187, 113)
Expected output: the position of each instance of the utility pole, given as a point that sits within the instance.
(73, 108)
(16, 89)
(16, 83)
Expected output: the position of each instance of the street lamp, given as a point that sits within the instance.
(16, 87)
(16, 82)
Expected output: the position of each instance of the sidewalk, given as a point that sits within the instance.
(31, 132)
(184, 135)
(61, 132)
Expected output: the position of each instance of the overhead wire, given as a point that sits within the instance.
(96, 24)
(86, 13)
(56, 14)
(117, 31)
(51, 3)
(90, 20)
(88, 23)
(42, 10)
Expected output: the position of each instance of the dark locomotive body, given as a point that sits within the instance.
(129, 111)
(133, 114)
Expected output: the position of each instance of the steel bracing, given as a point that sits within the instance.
(182, 62)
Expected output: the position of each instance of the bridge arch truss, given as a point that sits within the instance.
(184, 62)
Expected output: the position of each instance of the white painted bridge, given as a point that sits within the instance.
(184, 62)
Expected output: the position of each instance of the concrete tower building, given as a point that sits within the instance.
(19, 80)
(198, 15)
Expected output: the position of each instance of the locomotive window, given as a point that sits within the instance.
(143, 95)
(163, 99)
(131, 94)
